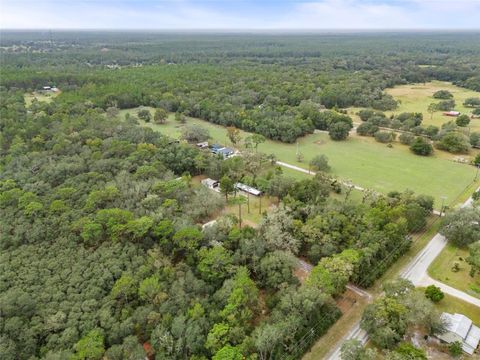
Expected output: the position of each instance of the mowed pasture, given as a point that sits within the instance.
(360, 160)
(417, 97)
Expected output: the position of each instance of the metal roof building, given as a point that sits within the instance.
(461, 328)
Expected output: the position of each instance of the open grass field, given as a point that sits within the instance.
(441, 269)
(361, 160)
(40, 96)
(452, 304)
(417, 97)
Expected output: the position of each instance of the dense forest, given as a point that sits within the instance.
(103, 253)
(259, 83)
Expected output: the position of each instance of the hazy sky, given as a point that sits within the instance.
(240, 14)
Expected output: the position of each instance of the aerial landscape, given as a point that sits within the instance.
(193, 180)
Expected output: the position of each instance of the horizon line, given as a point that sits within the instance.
(251, 29)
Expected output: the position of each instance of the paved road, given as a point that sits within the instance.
(416, 272)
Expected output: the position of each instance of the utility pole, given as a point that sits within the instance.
(443, 204)
(240, 214)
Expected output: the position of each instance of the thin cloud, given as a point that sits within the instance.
(242, 14)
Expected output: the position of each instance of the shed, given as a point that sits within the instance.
(248, 189)
(451, 113)
(460, 328)
(210, 183)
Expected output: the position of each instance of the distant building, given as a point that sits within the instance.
(210, 183)
(451, 113)
(248, 189)
(460, 328)
(221, 150)
(202, 145)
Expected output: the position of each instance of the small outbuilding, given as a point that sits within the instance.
(222, 150)
(451, 113)
(460, 328)
(210, 183)
(248, 189)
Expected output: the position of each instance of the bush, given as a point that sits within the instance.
(454, 142)
(443, 94)
(446, 105)
(413, 119)
(339, 131)
(408, 351)
(421, 146)
(472, 102)
(320, 163)
(475, 139)
(406, 138)
(144, 114)
(434, 293)
(385, 136)
(476, 162)
(455, 348)
(195, 133)
(431, 130)
(366, 114)
(462, 120)
(367, 129)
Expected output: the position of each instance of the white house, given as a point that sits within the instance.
(460, 328)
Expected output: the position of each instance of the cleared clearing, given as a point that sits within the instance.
(417, 97)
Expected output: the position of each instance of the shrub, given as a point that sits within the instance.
(339, 131)
(195, 133)
(434, 293)
(367, 129)
(320, 163)
(472, 102)
(431, 130)
(144, 114)
(421, 146)
(455, 348)
(454, 142)
(476, 162)
(446, 105)
(385, 136)
(406, 138)
(443, 94)
(463, 120)
(475, 139)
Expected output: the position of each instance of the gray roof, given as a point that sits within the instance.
(463, 327)
(458, 324)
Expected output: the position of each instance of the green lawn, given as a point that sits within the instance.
(361, 160)
(441, 269)
(452, 304)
